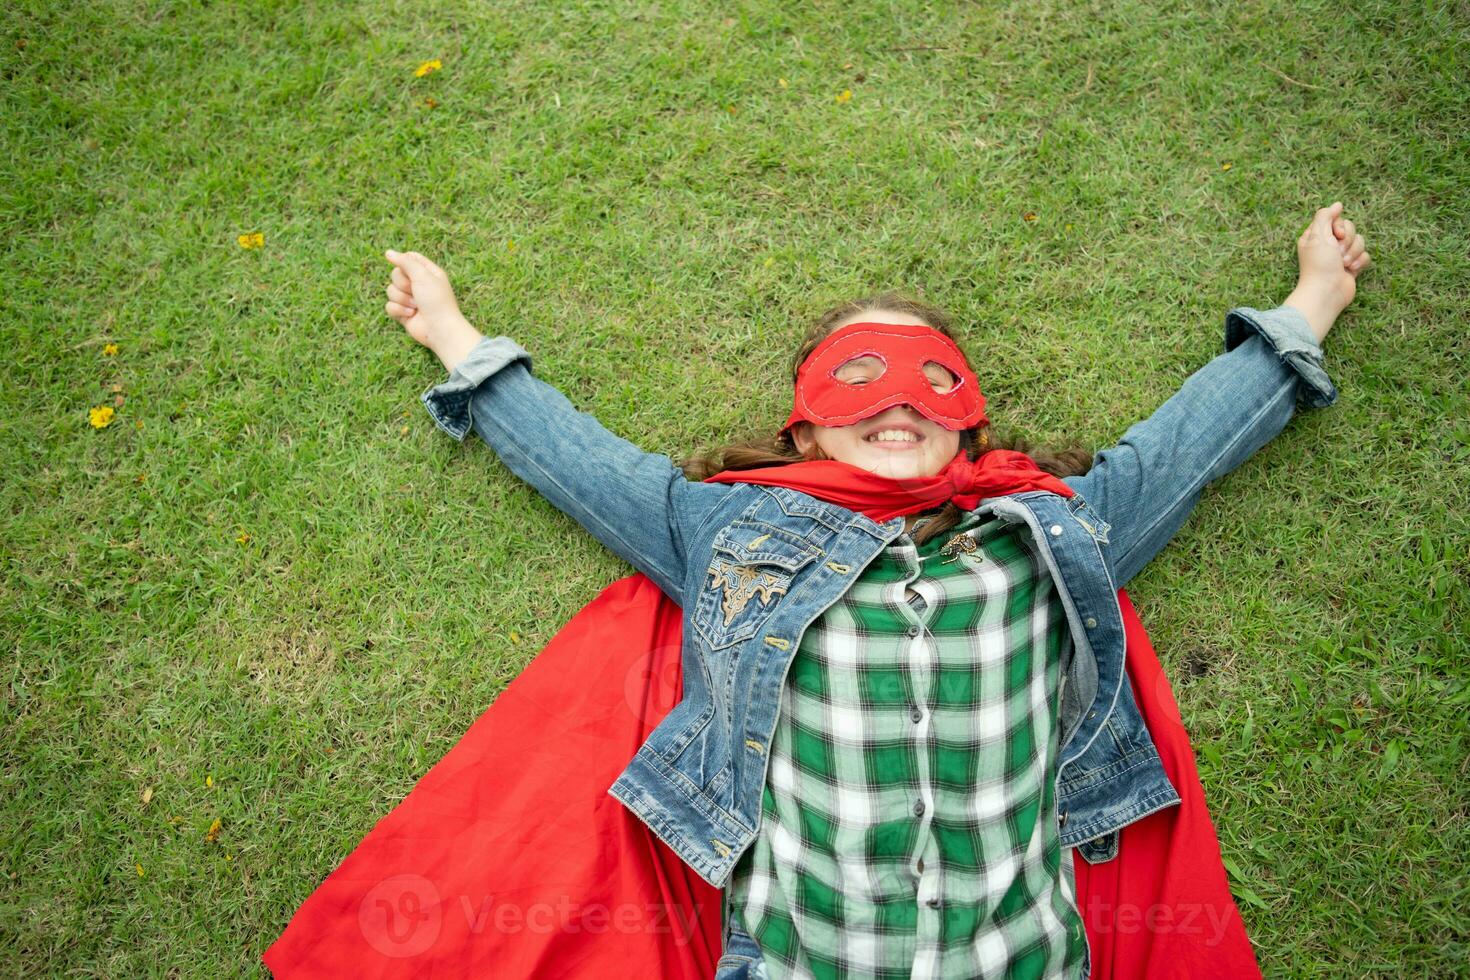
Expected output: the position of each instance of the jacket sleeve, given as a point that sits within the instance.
(639, 504)
(1144, 487)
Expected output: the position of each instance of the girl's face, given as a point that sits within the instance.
(927, 446)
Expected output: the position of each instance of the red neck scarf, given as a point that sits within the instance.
(996, 473)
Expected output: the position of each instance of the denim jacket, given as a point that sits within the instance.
(697, 780)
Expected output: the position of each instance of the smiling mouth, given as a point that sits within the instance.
(907, 440)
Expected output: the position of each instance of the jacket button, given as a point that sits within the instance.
(1056, 530)
(1062, 819)
(1091, 623)
(916, 715)
(918, 808)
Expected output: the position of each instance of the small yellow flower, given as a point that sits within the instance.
(403, 431)
(212, 834)
(110, 351)
(428, 66)
(510, 246)
(782, 82)
(515, 637)
(140, 869)
(1225, 166)
(243, 538)
(846, 95)
(431, 103)
(209, 780)
(1029, 216)
(251, 240)
(100, 417)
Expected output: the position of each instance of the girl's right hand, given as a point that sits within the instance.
(421, 299)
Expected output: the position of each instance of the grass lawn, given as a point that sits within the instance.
(243, 617)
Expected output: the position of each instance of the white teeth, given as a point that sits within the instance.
(893, 435)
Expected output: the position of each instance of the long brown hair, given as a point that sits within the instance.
(780, 450)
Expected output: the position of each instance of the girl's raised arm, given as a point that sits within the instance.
(638, 504)
(1144, 487)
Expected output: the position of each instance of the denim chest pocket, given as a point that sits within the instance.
(1090, 520)
(752, 566)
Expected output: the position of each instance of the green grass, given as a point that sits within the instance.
(668, 252)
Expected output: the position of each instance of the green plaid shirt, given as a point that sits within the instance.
(908, 821)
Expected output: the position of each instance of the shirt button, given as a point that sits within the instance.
(921, 864)
(916, 715)
(918, 808)
(1091, 622)
(1056, 530)
(933, 903)
(913, 631)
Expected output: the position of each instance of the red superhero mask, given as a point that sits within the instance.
(902, 351)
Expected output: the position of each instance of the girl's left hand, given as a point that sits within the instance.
(1331, 254)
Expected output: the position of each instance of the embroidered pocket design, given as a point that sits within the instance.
(740, 584)
(753, 564)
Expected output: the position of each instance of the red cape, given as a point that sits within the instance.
(509, 860)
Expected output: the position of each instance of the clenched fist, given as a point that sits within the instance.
(421, 299)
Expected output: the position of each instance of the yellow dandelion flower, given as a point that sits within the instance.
(212, 834)
(209, 780)
(510, 246)
(515, 637)
(140, 869)
(1225, 166)
(251, 240)
(433, 64)
(782, 82)
(1069, 228)
(243, 538)
(846, 95)
(110, 351)
(101, 416)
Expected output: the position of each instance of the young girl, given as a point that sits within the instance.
(904, 697)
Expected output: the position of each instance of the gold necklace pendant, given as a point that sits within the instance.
(962, 543)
